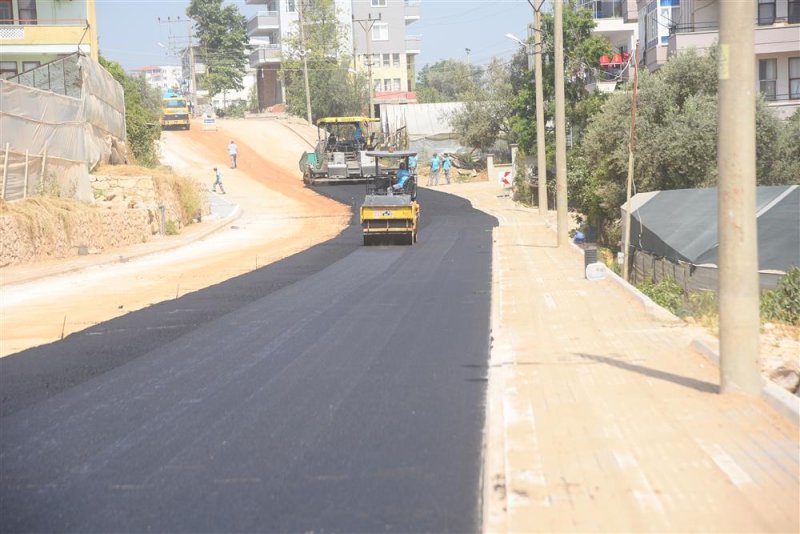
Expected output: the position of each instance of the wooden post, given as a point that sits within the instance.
(44, 168)
(25, 187)
(5, 171)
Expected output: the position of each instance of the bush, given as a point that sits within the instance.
(142, 114)
(783, 303)
(667, 293)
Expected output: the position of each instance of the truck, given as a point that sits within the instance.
(339, 156)
(174, 111)
(390, 215)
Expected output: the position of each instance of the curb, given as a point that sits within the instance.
(115, 258)
(783, 402)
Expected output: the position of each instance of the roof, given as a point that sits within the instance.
(681, 224)
(345, 120)
(395, 154)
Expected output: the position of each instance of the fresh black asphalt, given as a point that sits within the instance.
(339, 390)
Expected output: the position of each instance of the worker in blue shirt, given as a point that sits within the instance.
(402, 177)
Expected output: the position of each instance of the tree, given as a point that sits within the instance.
(335, 89)
(142, 114)
(446, 81)
(582, 51)
(675, 137)
(222, 36)
(487, 103)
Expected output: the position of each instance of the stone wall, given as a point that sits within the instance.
(126, 211)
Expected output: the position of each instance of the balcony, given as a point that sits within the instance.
(605, 9)
(700, 36)
(262, 23)
(777, 39)
(412, 11)
(265, 54)
(51, 35)
(413, 44)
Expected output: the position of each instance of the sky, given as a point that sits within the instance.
(130, 32)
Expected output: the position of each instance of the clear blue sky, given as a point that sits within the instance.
(130, 32)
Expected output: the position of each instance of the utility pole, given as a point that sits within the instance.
(738, 251)
(366, 25)
(541, 155)
(562, 231)
(305, 59)
(190, 50)
(627, 225)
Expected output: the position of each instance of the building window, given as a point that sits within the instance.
(387, 84)
(290, 6)
(766, 12)
(6, 14)
(651, 28)
(378, 3)
(794, 78)
(396, 60)
(396, 84)
(794, 11)
(29, 65)
(376, 85)
(8, 69)
(380, 31)
(27, 11)
(376, 60)
(387, 60)
(767, 77)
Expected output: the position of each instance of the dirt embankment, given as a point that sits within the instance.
(132, 205)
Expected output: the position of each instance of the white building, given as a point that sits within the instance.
(391, 50)
(161, 77)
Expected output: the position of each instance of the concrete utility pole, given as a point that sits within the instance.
(366, 25)
(738, 252)
(561, 128)
(305, 59)
(627, 224)
(541, 155)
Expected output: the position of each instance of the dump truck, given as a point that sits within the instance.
(339, 156)
(174, 111)
(390, 212)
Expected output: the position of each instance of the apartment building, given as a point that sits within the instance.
(617, 21)
(671, 26)
(161, 77)
(35, 32)
(381, 47)
(385, 50)
(268, 29)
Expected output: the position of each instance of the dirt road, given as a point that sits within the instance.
(280, 217)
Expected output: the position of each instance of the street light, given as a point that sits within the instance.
(513, 38)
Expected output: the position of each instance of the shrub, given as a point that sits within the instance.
(667, 293)
(783, 303)
(171, 227)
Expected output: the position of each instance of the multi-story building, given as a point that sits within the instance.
(268, 30)
(384, 50)
(671, 26)
(381, 47)
(161, 77)
(35, 32)
(617, 21)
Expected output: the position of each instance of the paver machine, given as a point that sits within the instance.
(339, 156)
(390, 212)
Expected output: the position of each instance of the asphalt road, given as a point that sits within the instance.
(339, 390)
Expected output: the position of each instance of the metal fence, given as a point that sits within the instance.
(62, 76)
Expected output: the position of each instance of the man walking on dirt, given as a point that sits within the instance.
(233, 151)
(217, 181)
